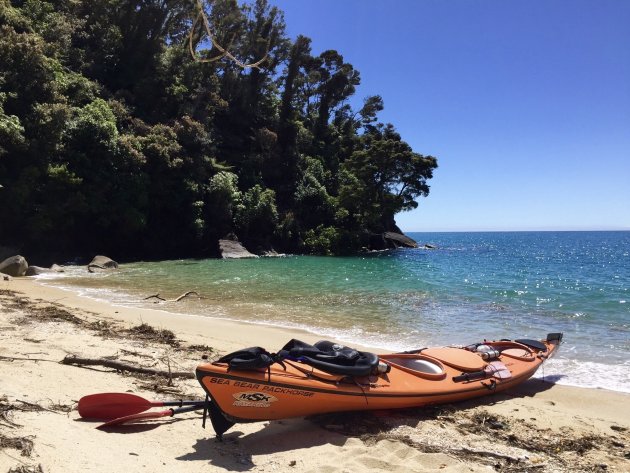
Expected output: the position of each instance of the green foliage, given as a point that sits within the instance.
(257, 217)
(384, 176)
(94, 126)
(113, 139)
(11, 130)
(322, 240)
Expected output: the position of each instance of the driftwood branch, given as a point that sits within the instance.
(186, 294)
(177, 299)
(119, 366)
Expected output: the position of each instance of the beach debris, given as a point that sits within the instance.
(476, 438)
(23, 444)
(57, 313)
(148, 333)
(27, 469)
(177, 299)
(122, 367)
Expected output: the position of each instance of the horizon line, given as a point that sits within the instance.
(617, 229)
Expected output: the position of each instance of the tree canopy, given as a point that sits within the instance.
(114, 138)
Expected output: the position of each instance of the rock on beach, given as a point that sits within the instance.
(15, 266)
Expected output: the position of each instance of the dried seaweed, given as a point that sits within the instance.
(497, 438)
(148, 333)
(23, 444)
(27, 469)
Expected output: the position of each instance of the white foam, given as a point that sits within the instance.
(587, 374)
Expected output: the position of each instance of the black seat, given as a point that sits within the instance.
(331, 357)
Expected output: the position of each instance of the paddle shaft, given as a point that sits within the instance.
(151, 415)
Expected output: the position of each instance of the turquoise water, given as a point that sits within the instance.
(473, 286)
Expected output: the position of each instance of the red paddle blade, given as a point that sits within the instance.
(133, 417)
(113, 405)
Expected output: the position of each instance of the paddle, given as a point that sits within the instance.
(496, 369)
(115, 405)
(149, 415)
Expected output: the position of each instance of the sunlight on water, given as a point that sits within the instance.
(474, 286)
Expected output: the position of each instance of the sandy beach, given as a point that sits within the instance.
(538, 427)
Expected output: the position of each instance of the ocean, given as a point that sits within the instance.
(471, 287)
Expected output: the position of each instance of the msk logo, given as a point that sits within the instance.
(253, 399)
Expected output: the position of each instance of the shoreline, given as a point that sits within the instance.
(579, 429)
(282, 333)
(228, 333)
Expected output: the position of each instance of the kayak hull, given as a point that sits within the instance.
(413, 380)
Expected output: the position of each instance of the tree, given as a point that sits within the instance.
(114, 138)
(388, 177)
(257, 217)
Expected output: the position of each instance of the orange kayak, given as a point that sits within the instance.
(251, 386)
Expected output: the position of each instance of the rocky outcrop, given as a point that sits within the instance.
(390, 241)
(37, 270)
(232, 249)
(102, 262)
(398, 240)
(15, 266)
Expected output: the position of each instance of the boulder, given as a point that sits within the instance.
(14, 266)
(398, 239)
(37, 270)
(231, 249)
(102, 262)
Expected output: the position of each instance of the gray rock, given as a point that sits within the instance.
(37, 270)
(14, 266)
(102, 262)
(57, 269)
(398, 239)
(231, 249)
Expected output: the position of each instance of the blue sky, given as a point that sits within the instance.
(526, 104)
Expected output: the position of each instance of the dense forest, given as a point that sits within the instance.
(125, 130)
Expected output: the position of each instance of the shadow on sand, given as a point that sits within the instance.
(236, 451)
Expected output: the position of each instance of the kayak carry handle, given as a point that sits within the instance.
(470, 376)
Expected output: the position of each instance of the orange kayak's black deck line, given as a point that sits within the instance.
(253, 384)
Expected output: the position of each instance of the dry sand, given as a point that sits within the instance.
(537, 427)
